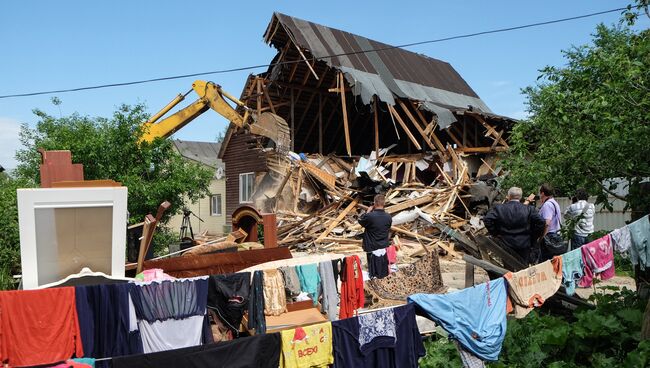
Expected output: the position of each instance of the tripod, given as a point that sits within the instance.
(186, 225)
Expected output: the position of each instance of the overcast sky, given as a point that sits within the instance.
(47, 45)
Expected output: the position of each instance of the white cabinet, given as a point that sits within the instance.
(63, 230)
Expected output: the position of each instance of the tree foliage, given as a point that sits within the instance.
(109, 149)
(589, 120)
(9, 235)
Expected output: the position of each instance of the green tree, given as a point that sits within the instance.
(109, 148)
(9, 235)
(589, 120)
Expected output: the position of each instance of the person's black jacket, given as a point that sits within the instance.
(377, 226)
(517, 224)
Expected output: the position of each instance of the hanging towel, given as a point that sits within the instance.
(640, 237)
(330, 301)
(621, 239)
(228, 298)
(529, 288)
(376, 328)
(175, 299)
(256, 318)
(572, 270)
(275, 299)
(171, 333)
(309, 346)
(475, 316)
(352, 296)
(598, 258)
(39, 326)
(309, 280)
(291, 281)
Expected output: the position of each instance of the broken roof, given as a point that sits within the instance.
(387, 72)
(205, 153)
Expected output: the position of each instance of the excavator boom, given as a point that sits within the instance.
(211, 96)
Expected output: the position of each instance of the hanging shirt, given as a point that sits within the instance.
(572, 270)
(598, 258)
(104, 320)
(309, 280)
(352, 294)
(640, 237)
(39, 326)
(330, 300)
(309, 346)
(275, 299)
(260, 351)
(228, 297)
(161, 300)
(291, 280)
(621, 239)
(401, 351)
(529, 288)
(171, 334)
(468, 359)
(256, 318)
(376, 328)
(475, 316)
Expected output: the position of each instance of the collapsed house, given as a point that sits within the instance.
(361, 113)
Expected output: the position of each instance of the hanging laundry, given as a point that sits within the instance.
(309, 280)
(391, 254)
(260, 351)
(598, 258)
(171, 333)
(572, 270)
(103, 312)
(275, 299)
(161, 300)
(352, 295)
(228, 297)
(39, 326)
(309, 346)
(337, 266)
(88, 361)
(330, 300)
(475, 316)
(75, 363)
(376, 328)
(256, 318)
(291, 281)
(468, 359)
(640, 239)
(153, 274)
(399, 345)
(377, 263)
(529, 288)
(621, 238)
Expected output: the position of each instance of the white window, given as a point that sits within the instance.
(246, 186)
(215, 205)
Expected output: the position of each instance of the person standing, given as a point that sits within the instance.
(552, 243)
(583, 212)
(516, 224)
(376, 223)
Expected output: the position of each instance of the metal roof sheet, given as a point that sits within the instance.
(203, 152)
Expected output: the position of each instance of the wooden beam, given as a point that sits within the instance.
(296, 194)
(418, 236)
(497, 139)
(258, 86)
(416, 124)
(345, 116)
(320, 123)
(430, 130)
(306, 110)
(268, 99)
(292, 118)
(469, 274)
(376, 119)
(311, 127)
(338, 219)
(306, 61)
(403, 125)
(490, 129)
(481, 149)
(410, 203)
(453, 137)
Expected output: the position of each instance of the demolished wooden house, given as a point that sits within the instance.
(345, 96)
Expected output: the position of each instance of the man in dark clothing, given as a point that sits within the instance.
(517, 225)
(377, 225)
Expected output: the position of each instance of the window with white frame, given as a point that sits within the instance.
(215, 205)
(246, 186)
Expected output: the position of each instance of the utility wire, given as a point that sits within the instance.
(252, 67)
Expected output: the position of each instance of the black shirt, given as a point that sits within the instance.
(517, 224)
(377, 224)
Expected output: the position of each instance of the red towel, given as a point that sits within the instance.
(352, 297)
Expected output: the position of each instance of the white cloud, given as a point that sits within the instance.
(9, 143)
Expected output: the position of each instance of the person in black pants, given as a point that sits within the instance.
(517, 225)
(376, 223)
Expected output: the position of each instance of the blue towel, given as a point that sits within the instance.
(475, 316)
(309, 280)
(572, 270)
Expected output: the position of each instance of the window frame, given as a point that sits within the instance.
(219, 208)
(250, 185)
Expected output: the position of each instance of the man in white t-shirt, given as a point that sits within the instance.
(585, 212)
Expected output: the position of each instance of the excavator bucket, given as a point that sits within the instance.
(275, 128)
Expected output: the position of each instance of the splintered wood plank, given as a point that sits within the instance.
(430, 129)
(322, 176)
(409, 204)
(345, 115)
(337, 220)
(376, 120)
(403, 125)
(416, 124)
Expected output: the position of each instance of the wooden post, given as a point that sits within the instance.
(320, 123)
(376, 107)
(403, 125)
(469, 274)
(259, 96)
(345, 115)
(293, 133)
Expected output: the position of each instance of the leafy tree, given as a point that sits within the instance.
(589, 120)
(109, 149)
(9, 235)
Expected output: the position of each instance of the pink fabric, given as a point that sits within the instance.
(154, 274)
(391, 253)
(598, 258)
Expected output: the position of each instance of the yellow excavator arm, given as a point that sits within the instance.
(211, 96)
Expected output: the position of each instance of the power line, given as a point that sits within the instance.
(252, 67)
